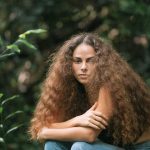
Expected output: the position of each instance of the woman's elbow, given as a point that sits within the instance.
(91, 140)
(91, 136)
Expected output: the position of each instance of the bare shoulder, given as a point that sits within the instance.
(105, 102)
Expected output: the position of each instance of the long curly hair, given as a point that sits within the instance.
(63, 97)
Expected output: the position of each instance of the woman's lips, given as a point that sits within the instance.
(83, 75)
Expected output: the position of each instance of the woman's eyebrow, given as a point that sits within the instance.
(86, 58)
(77, 57)
(91, 57)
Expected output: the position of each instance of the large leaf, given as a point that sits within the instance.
(1, 126)
(13, 114)
(1, 95)
(13, 48)
(9, 99)
(26, 43)
(13, 129)
(1, 110)
(6, 55)
(36, 31)
(1, 42)
(2, 140)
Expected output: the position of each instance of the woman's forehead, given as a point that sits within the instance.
(84, 50)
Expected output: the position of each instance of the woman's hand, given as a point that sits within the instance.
(41, 134)
(92, 118)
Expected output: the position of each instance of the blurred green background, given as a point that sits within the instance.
(124, 23)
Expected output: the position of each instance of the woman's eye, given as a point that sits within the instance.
(77, 61)
(91, 60)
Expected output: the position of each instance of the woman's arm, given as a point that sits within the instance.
(89, 134)
(90, 118)
(66, 124)
(105, 103)
(105, 107)
(68, 134)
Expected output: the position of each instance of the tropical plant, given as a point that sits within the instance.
(7, 117)
(5, 130)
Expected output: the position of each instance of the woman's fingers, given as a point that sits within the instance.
(94, 119)
(100, 119)
(93, 126)
(99, 114)
(98, 124)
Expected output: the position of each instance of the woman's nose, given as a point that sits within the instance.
(84, 67)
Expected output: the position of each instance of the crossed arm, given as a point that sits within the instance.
(85, 127)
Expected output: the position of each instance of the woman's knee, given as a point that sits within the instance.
(96, 146)
(59, 145)
(80, 146)
(50, 145)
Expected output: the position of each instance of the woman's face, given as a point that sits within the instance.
(83, 64)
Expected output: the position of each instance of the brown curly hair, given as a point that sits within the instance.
(63, 97)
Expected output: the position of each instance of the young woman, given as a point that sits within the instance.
(91, 99)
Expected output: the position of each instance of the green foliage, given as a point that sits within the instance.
(4, 130)
(5, 116)
(14, 48)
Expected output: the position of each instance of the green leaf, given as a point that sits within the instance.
(13, 114)
(22, 36)
(9, 99)
(1, 95)
(13, 129)
(1, 42)
(1, 110)
(6, 55)
(2, 140)
(26, 43)
(36, 31)
(13, 48)
(1, 126)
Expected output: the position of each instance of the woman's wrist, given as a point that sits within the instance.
(76, 121)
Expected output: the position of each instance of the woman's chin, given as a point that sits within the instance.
(84, 82)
